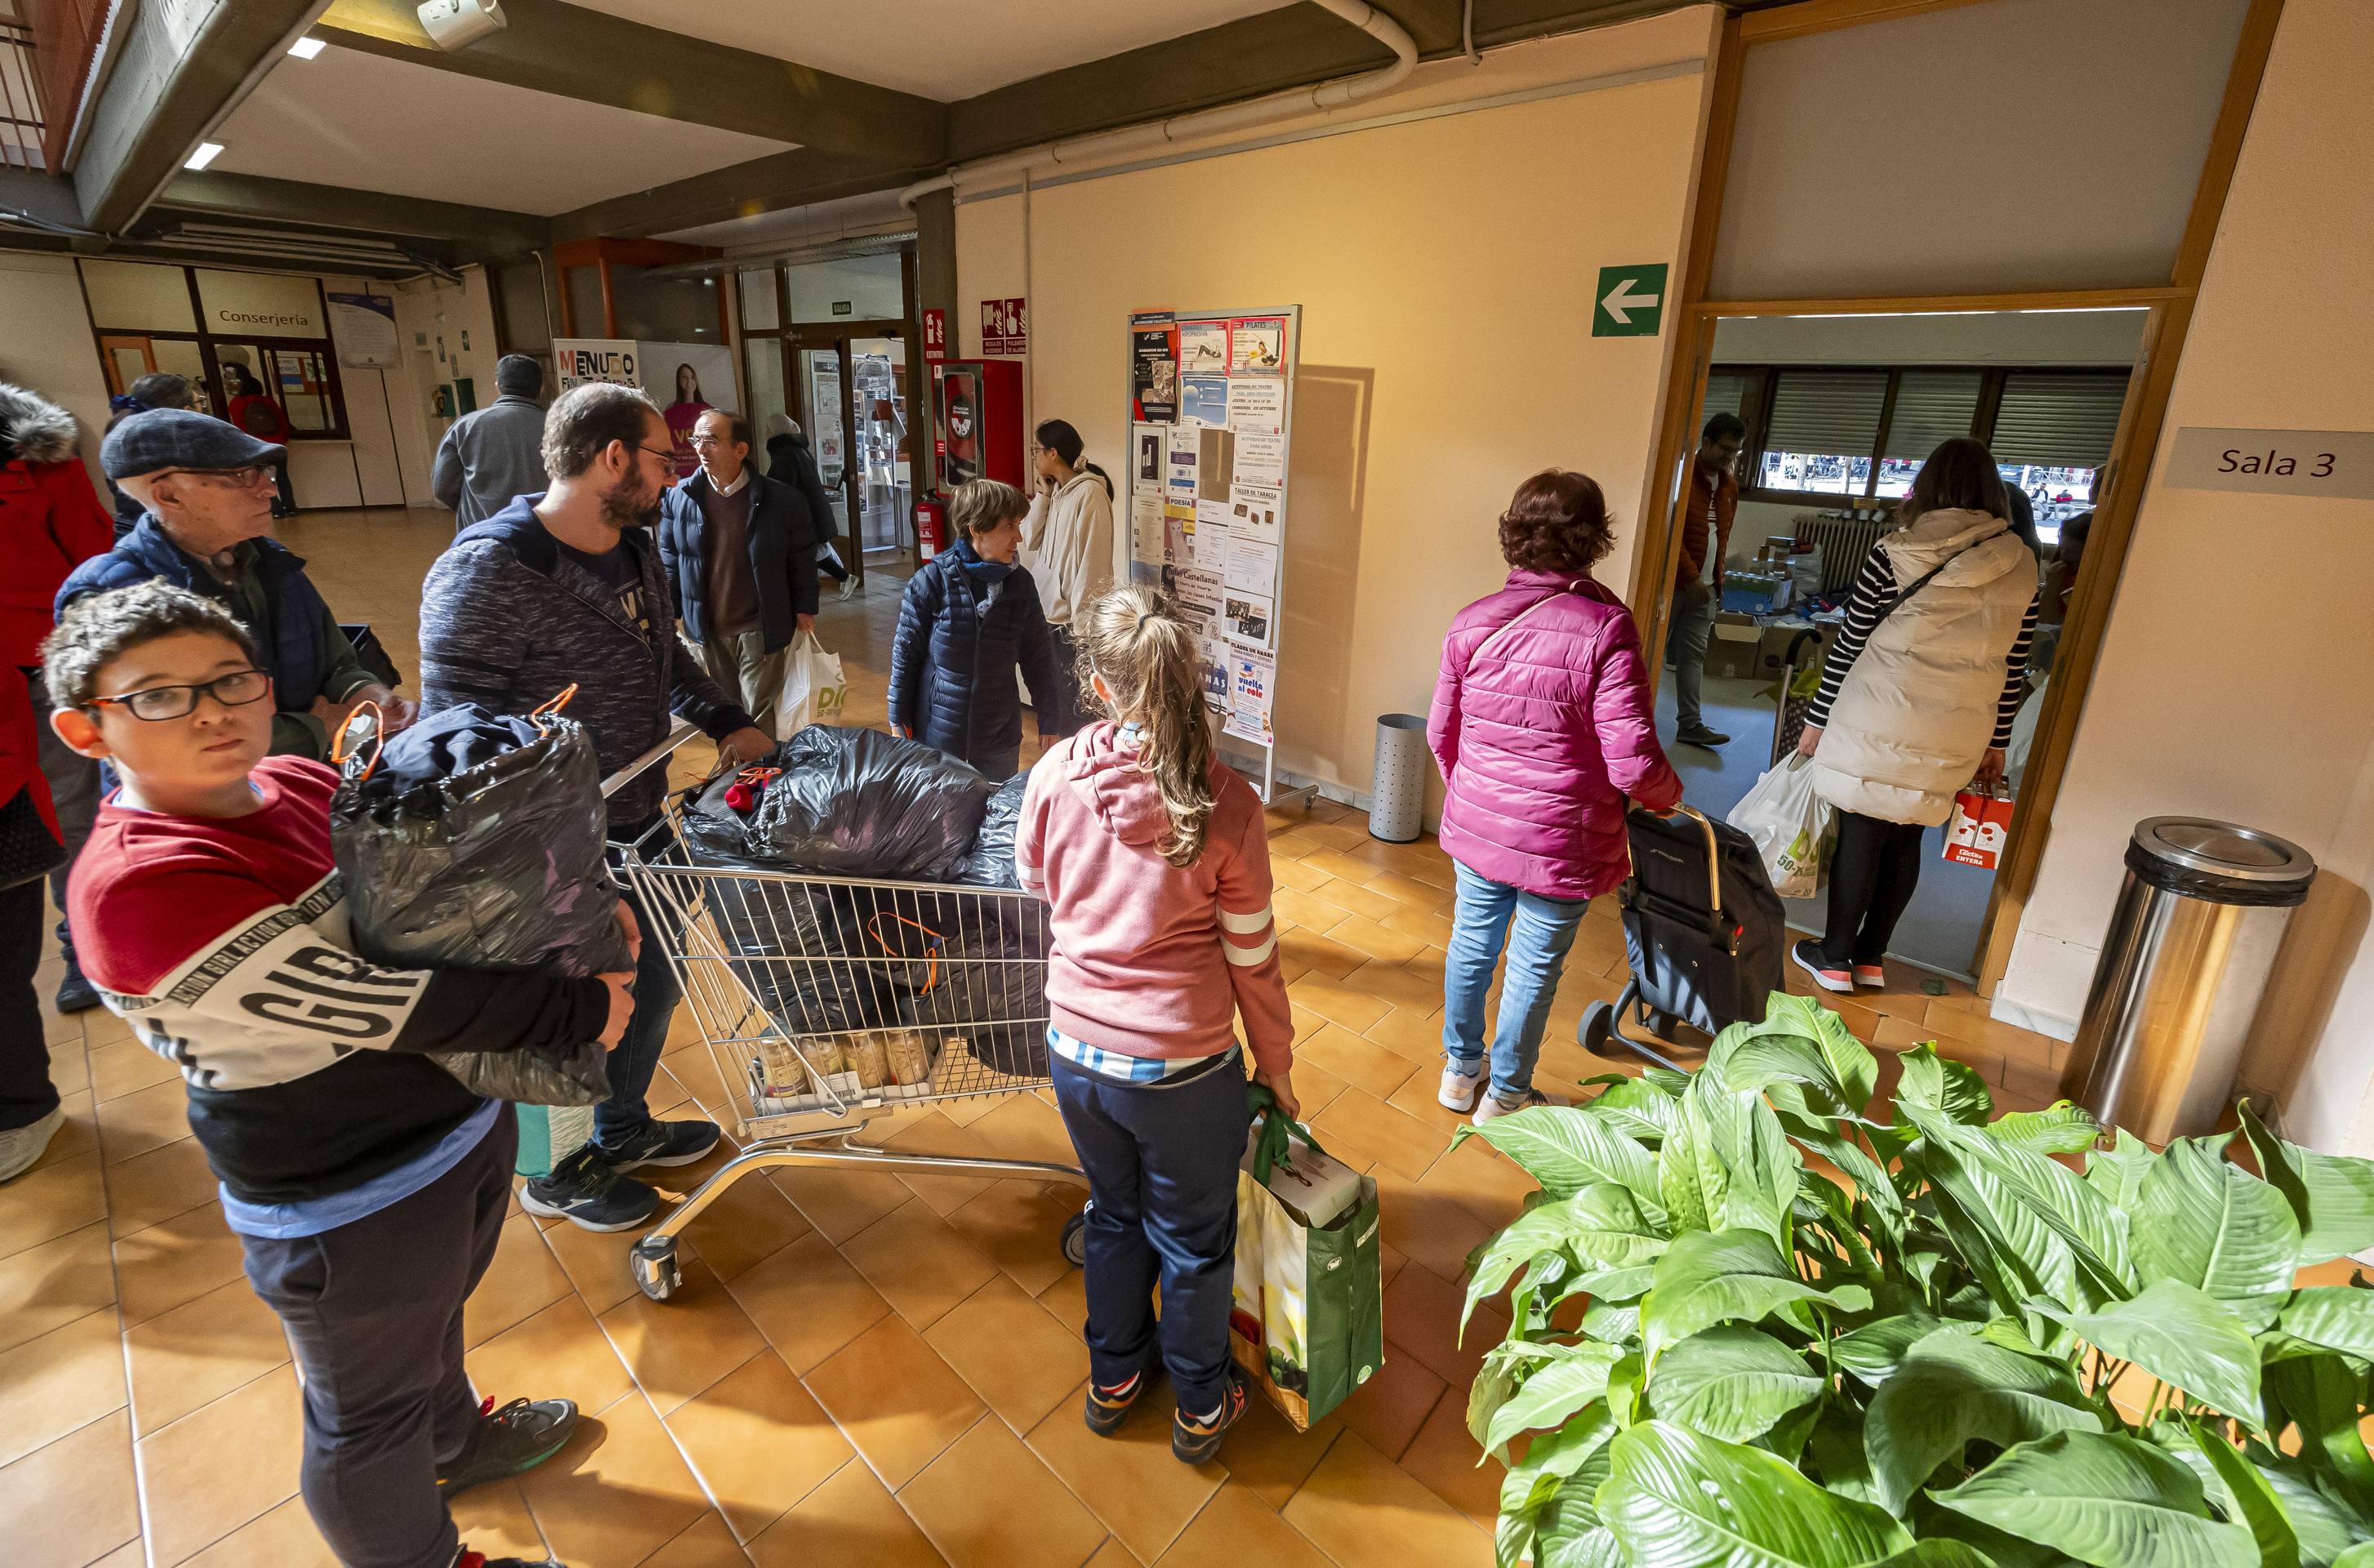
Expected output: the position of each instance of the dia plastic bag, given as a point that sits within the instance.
(1790, 826)
(814, 689)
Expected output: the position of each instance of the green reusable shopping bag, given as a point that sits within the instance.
(549, 1134)
(1307, 1323)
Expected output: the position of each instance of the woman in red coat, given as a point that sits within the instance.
(28, 838)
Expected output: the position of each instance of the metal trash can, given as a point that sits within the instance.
(2201, 911)
(1397, 797)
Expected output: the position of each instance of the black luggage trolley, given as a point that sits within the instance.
(1702, 927)
(1807, 650)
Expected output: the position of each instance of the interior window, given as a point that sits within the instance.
(1823, 427)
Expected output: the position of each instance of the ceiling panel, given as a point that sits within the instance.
(942, 49)
(351, 119)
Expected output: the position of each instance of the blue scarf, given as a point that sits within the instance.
(985, 574)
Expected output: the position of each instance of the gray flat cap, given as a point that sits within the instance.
(179, 437)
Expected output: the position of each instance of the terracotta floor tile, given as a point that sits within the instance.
(494, 1520)
(919, 1262)
(1397, 983)
(559, 1353)
(1362, 1064)
(101, 1027)
(43, 1205)
(175, 1261)
(1237, 1530)
(1428, 1225)
(150, 1188)
(123, 1066)
(991, 1503)
(1422, 1319)
(141, 1120)
(1316, 1088)
(1130, 1481)
(133, 1553)
(1306, 1022)
(1026, 1127)
(1067, 1298)
(1413, 894)
(68, 1378)
(808, 1302)
(1267, 1457)
(850, 1519)
(1899, 1035)
(1432, 927)
(523, 1280)
(74, 1501)
(678, 1347)
(1020, 1227)
(749, 1223)
(1020, 1360)
(1295, 873)
(1444, 1456)
(596, 1261)
(1382, 944)
(283, 1535)
(1388, 1409)
(1489, 1186)
(1357, 902)
(840, 1201)
(77, 1136)
(1336, 863)
(199, 1352)
(191, 1499)
(760, 1442)
(618, 1493)
(47, 1286)
(1415, 1036)
(707, 1542)
(1112, 1554)
(896, 1399)
(1374, 1130)
(1322, 958)
(935, 1134)
(1361, 1507)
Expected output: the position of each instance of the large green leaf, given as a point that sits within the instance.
(2339, 1317)
(2323, 1396)
(1874, 1351)
(1761, 1165)
(1600, 1227)
(2201, 1220)
(1938, 1554)
(1941, 1084)
(1713, 1276)
(2058, 1128)
(1852, 1065)
(2108, 1500)
(2094, 1232)
(2332, 1195)
(1567, 1150)
(1679, 1500)
(1552, 1393)
(1638, 1107)
(1952, 1389)
(1730, 1383)
(2013, 1253)
(2325, 1525)
(2180, 1334)
(2117, 1173)
(1799, 1042)
(2242, 1494)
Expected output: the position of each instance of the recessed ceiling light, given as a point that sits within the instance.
(306, 48)
(207, 152)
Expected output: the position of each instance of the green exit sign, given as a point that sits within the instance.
(1629, 301)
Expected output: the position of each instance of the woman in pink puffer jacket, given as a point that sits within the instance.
(1543, 724)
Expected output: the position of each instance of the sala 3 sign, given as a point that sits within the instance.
(2234, 460)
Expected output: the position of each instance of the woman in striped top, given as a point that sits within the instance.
(1918, 697)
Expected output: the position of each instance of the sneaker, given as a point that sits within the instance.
(584, 1190)
(1494, 1105)
(1196, 1440)
(469, 1559)
(1808, 956)
(75, 995)
(1699, 735)
(1107, 1407)
(662, 1143)
(19, 1147)
(1458, 1091)
(1870, 976)
(848, 588)
(509, 1441)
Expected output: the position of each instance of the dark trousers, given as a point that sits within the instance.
(1071, 702)
(1873, 873)
(373, 1311)
(829, 562)
(628, 1111)
(25, 1092)
(74, 794)
(1161, 1159)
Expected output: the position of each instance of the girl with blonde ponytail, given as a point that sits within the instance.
(1154, 861)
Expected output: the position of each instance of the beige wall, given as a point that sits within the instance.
(45, 342)
(1444, 267)
(2249, 694)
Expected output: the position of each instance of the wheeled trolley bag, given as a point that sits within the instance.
(1702, 927)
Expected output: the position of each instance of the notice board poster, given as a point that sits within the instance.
(1153, 368)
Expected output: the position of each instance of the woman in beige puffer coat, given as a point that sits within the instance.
(1918, 697)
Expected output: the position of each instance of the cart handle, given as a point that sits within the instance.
(1714, 859)
(676, 737)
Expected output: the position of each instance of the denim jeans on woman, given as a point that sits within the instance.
(1537, 933)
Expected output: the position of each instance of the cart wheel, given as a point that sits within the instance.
(1662, 1025)
(1598, 1028)
(652, 1263)
(1076, 1239)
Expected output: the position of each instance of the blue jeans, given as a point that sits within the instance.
(1161, 1159)
(1537, 931)
(626, 1111)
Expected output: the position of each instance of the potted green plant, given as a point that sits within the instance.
(1760, 1321)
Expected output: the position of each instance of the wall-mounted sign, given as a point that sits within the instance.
(577, 361)
(260, 304)
(364, 328)
(936, 335)
(844, 307)
(1629, 300)
(2337, 464)
(1004, 327)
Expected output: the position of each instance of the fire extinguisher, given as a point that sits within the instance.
(931, 528)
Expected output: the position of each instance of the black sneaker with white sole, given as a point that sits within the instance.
(509, 1441)
(1809, 957)
(662, 1143)
(584, 1190)
(1195, 1440)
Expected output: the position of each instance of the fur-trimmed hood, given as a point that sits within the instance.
(33, 428)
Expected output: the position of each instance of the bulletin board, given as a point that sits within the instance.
(1211, 427)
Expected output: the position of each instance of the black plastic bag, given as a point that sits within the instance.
(992, 990)
(475, 840)
(990, 864)
(793, 947)
(860, 803)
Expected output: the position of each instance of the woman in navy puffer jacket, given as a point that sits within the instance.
(1543, 724)
(967, 621)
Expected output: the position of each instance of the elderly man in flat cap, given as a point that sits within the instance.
(207, 491)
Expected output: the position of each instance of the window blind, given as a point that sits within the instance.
(2061, 422)
(1727, 390)
(1831, 412)
(1931, 406)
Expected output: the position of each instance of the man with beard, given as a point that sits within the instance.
(568, 588)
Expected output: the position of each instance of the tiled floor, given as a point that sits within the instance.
(860, 1369)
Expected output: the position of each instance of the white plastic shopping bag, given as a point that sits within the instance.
(815, 690)
(1790, 826)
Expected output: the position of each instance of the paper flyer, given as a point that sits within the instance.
(1257, 346)
(1203, 400)
(1246, 618)
(1254, 511)
(1208, 551)
(1146, 528)
(1253, 565)
(1212, 658)
(1197, 596)
(1260, 458)
(1203, 347)
(1154, 366)
(1148, 448)
(1177, 534)
(1257, 403)
(1251, 677)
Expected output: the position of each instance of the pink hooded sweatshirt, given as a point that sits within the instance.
(1151, 960)
(1542, 734)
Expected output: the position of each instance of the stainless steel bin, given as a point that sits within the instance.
(1397, 799)
(2200, 915)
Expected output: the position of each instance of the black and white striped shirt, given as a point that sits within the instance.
(1873, 586)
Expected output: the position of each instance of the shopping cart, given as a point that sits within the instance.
(830, 1002)
(1800, 682)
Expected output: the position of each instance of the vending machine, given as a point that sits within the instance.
(977, 422)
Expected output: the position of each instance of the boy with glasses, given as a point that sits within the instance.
(366, 1186)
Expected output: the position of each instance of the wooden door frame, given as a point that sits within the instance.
(1689, 351)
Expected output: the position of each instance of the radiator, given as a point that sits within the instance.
(1845, 541)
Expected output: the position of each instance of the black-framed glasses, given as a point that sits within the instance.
(157, 703)
(246, 477)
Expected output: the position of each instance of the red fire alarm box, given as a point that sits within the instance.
(977, 422)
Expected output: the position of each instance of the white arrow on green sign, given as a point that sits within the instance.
(1629, 301)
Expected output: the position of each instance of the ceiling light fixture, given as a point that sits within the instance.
(306, 48)
(207, 152)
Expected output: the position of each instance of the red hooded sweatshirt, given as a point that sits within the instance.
(1151, 960)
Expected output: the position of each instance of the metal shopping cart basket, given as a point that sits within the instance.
(829, 1002)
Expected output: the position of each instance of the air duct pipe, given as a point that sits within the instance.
(1105, 145)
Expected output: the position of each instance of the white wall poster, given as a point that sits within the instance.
(1146, 447)
(1260, 458)
(1257, 403)
(1257, 346)
(1247, 618)
(1255, 512)
(1251, 676)
(1252, 564)
(1145, 528)
(1203, 400)
(1203, 347)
